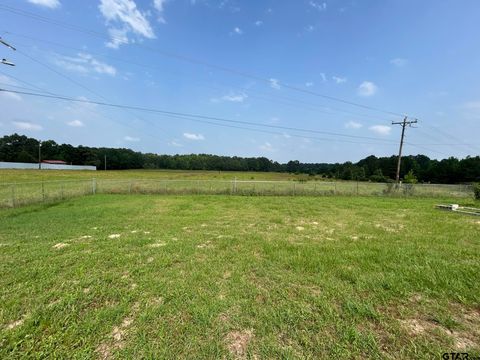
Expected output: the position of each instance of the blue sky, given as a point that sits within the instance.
(415, 57)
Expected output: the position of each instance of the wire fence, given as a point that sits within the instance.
(24, 193)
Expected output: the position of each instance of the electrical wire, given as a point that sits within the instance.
(184, 58)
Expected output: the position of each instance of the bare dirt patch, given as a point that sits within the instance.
(414, 326)
(417, 327)
(117, 337)
(15, 324)
(60, 245)
(237, 342)
(156, 301)
(207, 244)
(114, 236)
(300, 228)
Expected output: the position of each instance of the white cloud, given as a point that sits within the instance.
(309, 84)
(353, 125)
(159, 6)
(267, 147)
(84, 63)
(324, 77)
(240, 98)
(117, 37)
(195, 137)
(75, 123)
(339, 80)
(320, 6)
(258, 23)
(52, 4)
(472, 105)
(381, 129)
(10, 96)
(131, 138)
(7, 80)
(237, 31)
(367, 88)
(25, 125)
(310, 28)
(472, 109)
(274, 84)
(399, 62)
(175, 143)
(127, 18)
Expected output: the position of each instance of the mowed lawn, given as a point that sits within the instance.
(201, 277)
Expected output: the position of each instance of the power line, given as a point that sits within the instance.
(76, 83)
(193, 60)
(38, 88)
(450, 136)
(289, 101)
(197, 116)
(422, 146)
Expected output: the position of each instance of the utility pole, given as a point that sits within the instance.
(105, 162)
(5, 61)
(403, 123)
(39, 155)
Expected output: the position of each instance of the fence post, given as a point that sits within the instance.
(94, 186)
(357, 187)
(130, 187)
(62, 190)
(43, 192)
(14, 201)
(335, 187)
(294, 187)
(235, 185)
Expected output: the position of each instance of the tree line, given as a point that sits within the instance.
(20, 148)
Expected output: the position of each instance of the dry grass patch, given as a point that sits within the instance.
(237, 343)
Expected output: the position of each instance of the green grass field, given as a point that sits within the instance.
(150, 276)
(8, 176)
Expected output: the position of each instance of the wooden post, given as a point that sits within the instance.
(14, 201)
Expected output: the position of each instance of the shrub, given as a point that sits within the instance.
(410, 178)
(476, 190)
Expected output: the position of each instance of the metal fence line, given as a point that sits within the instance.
(25, 193)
